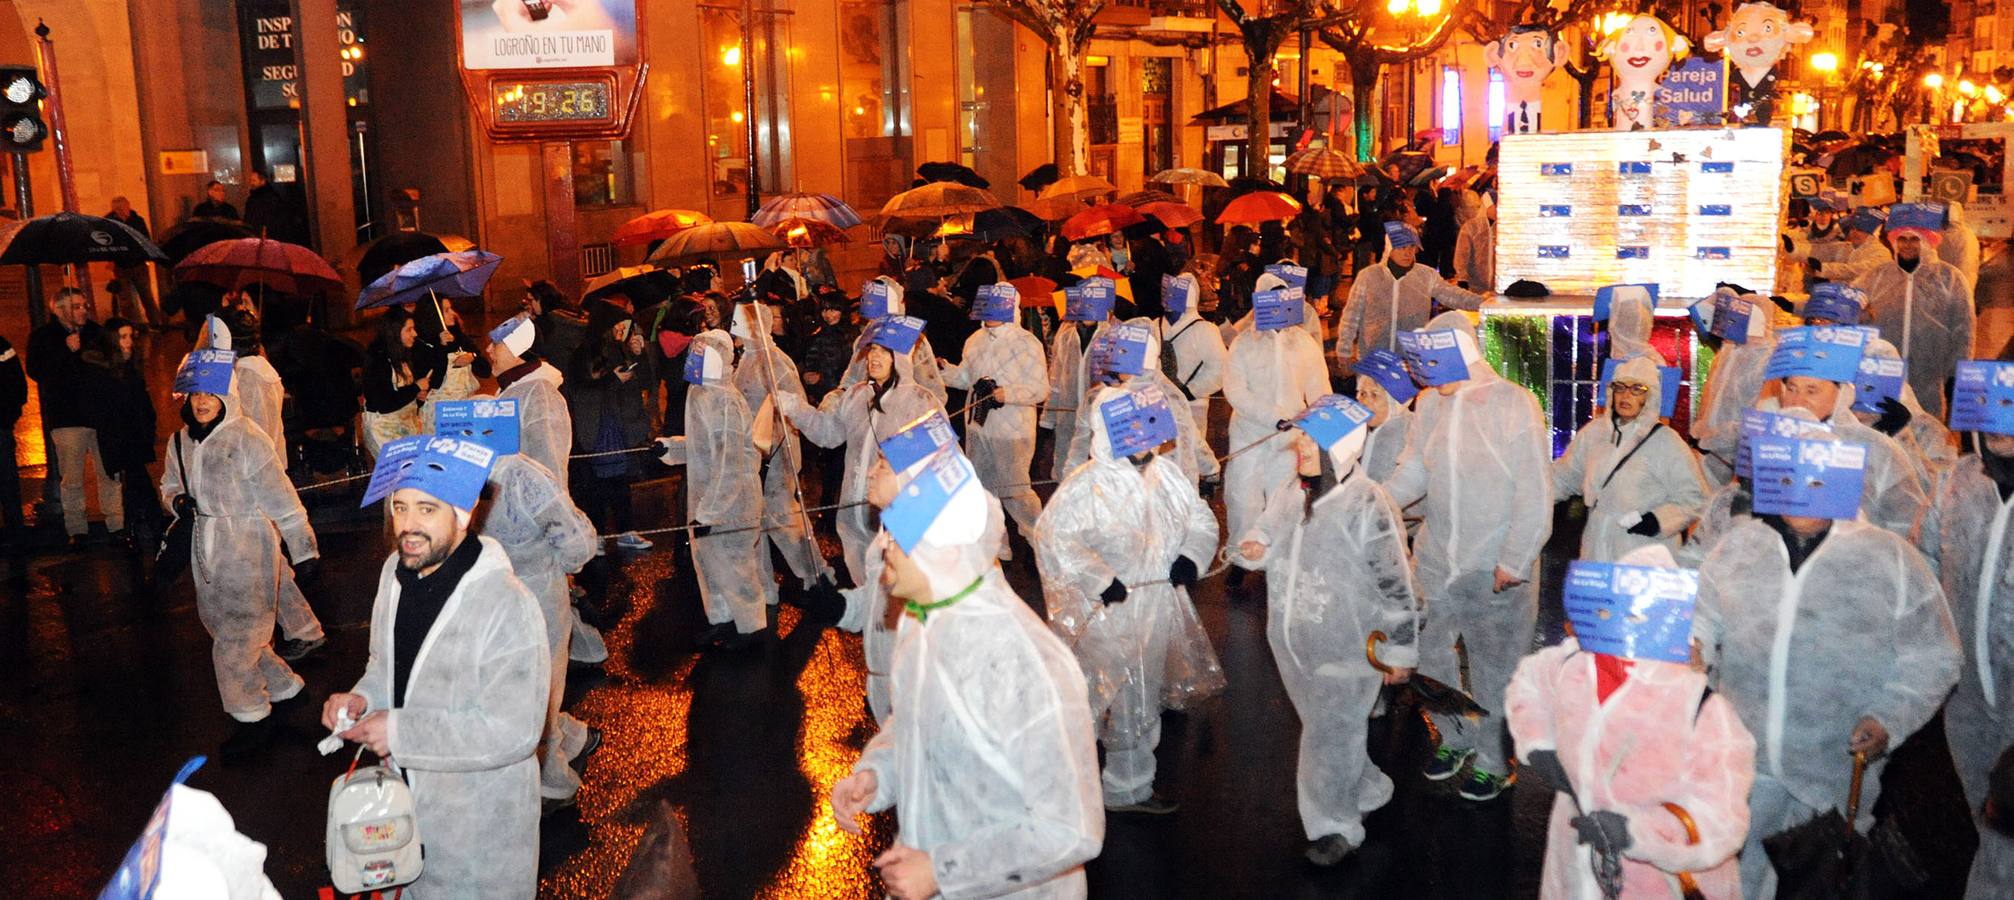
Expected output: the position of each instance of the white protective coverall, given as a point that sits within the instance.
(785, 524)
(1476, 254)
(546, 538)
(1845, 261)
(1966, 537)
(1003, 450)
(1733, 383)
(1891, 494)
(474, 707)
(855, 418)
(1622, 470)
(1191, 448)
(1272, 375)
(1630, 321)
(723, 489)
(988, 757)
(1388, 441)
(1337, 569)
(1960, 246)
(1382, 305)
(245, 508)
(1480, 465)
(1311, 318)
(1195, 346)
(1069, 382)
(545, 425)
(1658, 738)
(255, 385)
(1874, 640)
(922, 356)
(1114, 521)
(1927, 314)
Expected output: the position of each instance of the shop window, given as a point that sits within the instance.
(602, 174)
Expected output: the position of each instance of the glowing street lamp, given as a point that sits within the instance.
(1934, 81)
(1413, 14)
(1967, 88)
(1827, 62)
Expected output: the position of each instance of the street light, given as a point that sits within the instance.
(1827, 62)
(1966, 87)
(1933, 81)
(1412, 13)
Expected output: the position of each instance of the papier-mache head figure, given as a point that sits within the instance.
(1757, 37)
(1640, 53)
(1525, 55)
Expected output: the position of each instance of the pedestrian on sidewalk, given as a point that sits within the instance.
(55, 361)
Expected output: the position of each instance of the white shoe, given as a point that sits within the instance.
(633, 541)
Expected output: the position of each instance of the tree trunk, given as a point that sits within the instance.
(1364, 69)
(1259, 91)
(1072, 124)
(1586, 82)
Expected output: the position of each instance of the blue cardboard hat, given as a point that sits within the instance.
(1880, 380)
(1332, 418)
(1178, 294)
(490, 422)
(1756, 424)
(1867, 219)
(999, 302)
(206, 371)
(451, 471)
(1982, 398)
(897, 333)
(1280, 308)
(703, 366)
(1399, 234)
(919, 503)
(1434, 357)
(1137, 421)
(1815, 479)
(1925, 216)
(1827, 352)
(1121, 350)
(516, 333)
(1389, 371)
(1836, 302)
(1635, 612)
(1294, 276)
(1604, 298)
(877, 299)
(1090, 300)
(1730, 317)
(917, 440)
(1668, 378)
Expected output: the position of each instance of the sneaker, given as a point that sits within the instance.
(632, 541)
(587, 748)
(1154, 805)
(1445, 763)
(1329, 850)
(292, 650)
(247, 740)
(1481, 786)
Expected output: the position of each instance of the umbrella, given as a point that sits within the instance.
(1007, 221)
(192, 235)
(1173, 215)
(286, 268)
(1258, 206)
(371, 261)
(67, 238)
(939, 199)
(1323, 162)
(463, 274)
(1148, 226)
(1138, 199)
(715, 239)
(1100, 220)
(1040, 177)
(812, 207)
(1427, 176)
(658, 225)
(809, 232)
(1433, 694)
(1035, 290)
(1859, 159)
(645, 284)
(1056, 209)
(1187, 175)
(952, 172)
(1245, 184)
(1825, 857)
(1081, 187)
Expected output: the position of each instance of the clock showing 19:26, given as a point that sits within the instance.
(551, 101)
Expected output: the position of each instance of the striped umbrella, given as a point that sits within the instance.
(809, 232)
(1189, 175)
(810, 207)
(1139, 199)
(1323, 163)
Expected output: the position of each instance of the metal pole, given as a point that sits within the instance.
(24, 203)
(59, 132)
(748, 103)
(1307, 92)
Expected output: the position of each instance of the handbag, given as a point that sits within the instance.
(172, 558)
(373, 835)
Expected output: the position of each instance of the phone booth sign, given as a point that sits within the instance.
(539, 70)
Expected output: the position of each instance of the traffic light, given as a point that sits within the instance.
(21, 127)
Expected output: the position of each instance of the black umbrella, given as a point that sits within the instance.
(395, 250)
(1825, 857)
(1246, 184)
(1148, 226)
(1040, 177)
(1433, 694)
(951, 171)
(192, 235)
(67, 238)
(1007, 221)
(1859, 159)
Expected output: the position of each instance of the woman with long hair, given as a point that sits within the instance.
(396, 382)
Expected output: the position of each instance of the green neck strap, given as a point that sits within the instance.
(922, 611)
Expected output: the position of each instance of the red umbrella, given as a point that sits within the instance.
(1100, 220)
(1258, 206)
(286, 268)
(1035, 290)
(1173, 215)
(656, 226)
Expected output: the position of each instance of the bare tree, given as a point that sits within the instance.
(1355, 34)
(1066, 25)
(1262, 37)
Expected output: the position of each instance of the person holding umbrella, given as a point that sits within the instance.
(396, 383)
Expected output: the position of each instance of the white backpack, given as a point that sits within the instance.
(373, 835)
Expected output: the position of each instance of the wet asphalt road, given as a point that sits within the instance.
(105, 691)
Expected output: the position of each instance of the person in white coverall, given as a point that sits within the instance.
(1860, 253)
(1923, 305)
(1191, 450)
(1641, 483)
(1395, 295)
(1387, 389)
(1007, 374)
(723, 490)
(1480, 467)
(922, 357)
(987, 757)
(1272, 376)
(785, 524)
(1733, 385)
(1069, 383)
(1192, 356)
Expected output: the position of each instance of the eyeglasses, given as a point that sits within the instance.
(1632, 390)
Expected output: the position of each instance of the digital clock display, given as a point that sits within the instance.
(552, 101)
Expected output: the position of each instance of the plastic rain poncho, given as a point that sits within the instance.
(259, 396)
(1003, 449)
(922, 357)
(1623, 470)
(1196, 347)
(1927, 314)
(1112, 520)
(545, 425)
(1480, 468)
(1388, 441)
(786, 525)
(854, 418)
(1659, 738)
(1861, 629)
(1630, 321)
(546, 539)
(1311, 318)
(1381, 306)
(1929, 443)
(474, 708)
(1069, 382)
(245, 508)
(1891, 494)
(1960, 246)
(988, 757)
(1332, 578)
(723, 489)
(1733, 384)
(1846, 261)
(1272, 375)
(1966, 536)
(1192, 450)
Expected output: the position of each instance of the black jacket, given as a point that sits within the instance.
(134, 221)
(121, 410)
(944, 323)
(55, 368)
(380, 393)
(213, 209)
(13, 386)
(319, 370)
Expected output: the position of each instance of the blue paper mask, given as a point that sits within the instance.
(918, 504)
(1121, 350)
(1667, 385)
(1815, 479)
(1277, 309)
(206, 372)
(1435, 357)
(996, 303)
(1604, 299)
(1730, 318)
(1867, 219)
(446, 469)
(1635, 612)
(1927, 216)
(874, 299)
(917, 440)
(1294, 276)
(1880, 379)
(898, 333)
(1836, 302)
(1983, 397)
(491, 423)
(1401, 235)
(1758, 424)
(504, 329)
(703, 366)
(1825, 352)
(1389, 371)
(1332, 418)
(1177, 295)
(1137, 421)
(1089, 300)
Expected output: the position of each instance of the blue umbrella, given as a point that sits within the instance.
(459, 274)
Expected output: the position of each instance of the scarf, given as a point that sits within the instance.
(421, 599)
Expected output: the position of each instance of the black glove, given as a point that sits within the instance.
(1787, 244)
(308, 571)
(1646, 526)
(1283, 424)
(700, 531)
(1113, 593)
(183, 504)
(1545, 764)
(1894, 417)
(983, 389)
(1183, 573)
(1604, 830)
(1812, 263)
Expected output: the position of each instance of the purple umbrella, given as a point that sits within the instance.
(460, 274)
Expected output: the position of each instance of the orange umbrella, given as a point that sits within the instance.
(1259, 206)
(656, 226)
(809, 233)
(1035, 290)
(1173, 215)
(1100, 220)
(1055, 209)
